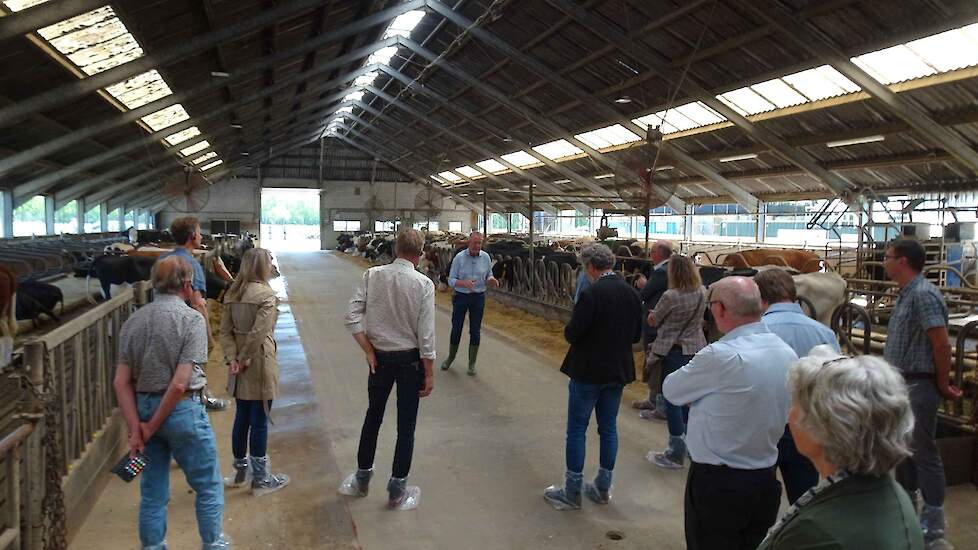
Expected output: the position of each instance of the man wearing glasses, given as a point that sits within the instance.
(917, 344)
(738, 407)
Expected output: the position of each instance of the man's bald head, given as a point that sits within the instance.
(660, 251)
(740, 299)
(171, 274)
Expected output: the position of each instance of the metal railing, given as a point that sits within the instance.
(13, 526)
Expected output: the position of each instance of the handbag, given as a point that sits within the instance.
(653, 361)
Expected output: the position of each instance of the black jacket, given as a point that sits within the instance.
(606, 321)
(657, 284)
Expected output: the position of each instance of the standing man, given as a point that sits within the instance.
(469, 275)
(651, 289)
(784, 317)
(738, 407)
(917, 344)
(186, 233)
(392, 317)
(158, 384)
(606, 321)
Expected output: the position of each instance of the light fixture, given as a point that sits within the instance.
(245, 153)
(665, 167)
(562, 181)
(220, 74)
(735, 158)
(236, 125)
(507, 139)
(623, 99)
(855, 141)
(604, 176)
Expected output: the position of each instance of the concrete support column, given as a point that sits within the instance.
(49, 214)
(6, 213)
(103, 215)
(688, 223)
(324, 221)
(122, 218)
(80, 215)
(761, 221)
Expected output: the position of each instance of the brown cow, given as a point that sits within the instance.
(8, 289)
(805, 261)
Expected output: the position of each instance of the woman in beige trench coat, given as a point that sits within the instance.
(247, 338)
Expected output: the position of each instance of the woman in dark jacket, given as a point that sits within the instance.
(606, 322)
(851, 417)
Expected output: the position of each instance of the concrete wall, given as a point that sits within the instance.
(229, 200)
(349, 201)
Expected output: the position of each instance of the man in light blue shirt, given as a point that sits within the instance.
(785, 318)
(738, 407)
(469, 275)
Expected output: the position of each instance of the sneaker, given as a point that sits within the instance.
(663, 460)
(643, 404)
(652, 414)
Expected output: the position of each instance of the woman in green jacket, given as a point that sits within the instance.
(248, 342)
(851, 417)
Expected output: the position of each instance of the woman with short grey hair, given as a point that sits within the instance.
(851, 417)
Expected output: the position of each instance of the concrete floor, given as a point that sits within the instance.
(486, 447)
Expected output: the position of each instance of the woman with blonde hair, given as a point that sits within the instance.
(678, 318)
(247, 337)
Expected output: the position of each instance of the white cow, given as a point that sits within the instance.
(825, 290)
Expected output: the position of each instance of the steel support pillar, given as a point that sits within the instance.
(6, 213)
(103, 216)
(48, 215)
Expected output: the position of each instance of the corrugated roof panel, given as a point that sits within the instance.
(140, 89)
(820, 83)
(468, 172)
(609, 136)
(207, 167)
(165, 118)
(949, 51)
(492, 166)
(93, 41)
(895, 64)
(520, 158)
(746, 101)
(779, 93)
(17, 5)
(557, 149)
(200, 146)
(183, 135)
(448, 176)
(204, 158)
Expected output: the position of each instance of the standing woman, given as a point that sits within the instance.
(678, 318)
(247, 337)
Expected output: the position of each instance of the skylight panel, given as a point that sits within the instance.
(139, 90)
(365, 79)
(895, 64)
(609, 136)
(520, 158)
(354, 96)
(439, 180)
(779, 93)
(345, 109)
(557, 149)
(382, 56)
(17, 5)
(948, 51)
(468, 172)
(199, 146)
(165, 118)
(820, 83)
(448, 176)
(183, 135)
(699, 113)
(403, 24)
(492, 166)
(204, 158)
(207, 167)
(94, 41)
(746, 101)
(655, 120)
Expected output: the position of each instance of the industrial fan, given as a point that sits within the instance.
(428, 202)
(635, 178)
(189, 192)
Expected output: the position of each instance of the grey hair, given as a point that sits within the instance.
(598, 255)
(857, 408)
(170, 274)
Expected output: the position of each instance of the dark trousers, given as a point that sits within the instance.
(475, 305)
(403, 368)
(924, 469)
(250, 426)
(798, 473)
(676, 415)
(729, 509)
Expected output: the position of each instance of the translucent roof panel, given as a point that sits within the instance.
(354, 96)
(746, 101)
(207, 167)
(895, 64)
(492, 166)
(199, 146)
(469, 172)
(448, 176)
(382, 56)
(365, 79)
(436, 178)
(403, 24)
(95, 41)
(557, 149)
(17, 5)
(165, 118)
(140, 89)
(821, 83)
(949, 51)
(655, 120)
(521, 159)
(699, 113)
(183, 135)
(779, 93)
(204, 158)
(608, 137)
(345, 109)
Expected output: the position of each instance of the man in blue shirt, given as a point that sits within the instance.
(738, 407)
(785, 318)
(469, 276)
(186, 233)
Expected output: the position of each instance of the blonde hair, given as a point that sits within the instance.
(683, 275)
(410, 242)
(256, 267)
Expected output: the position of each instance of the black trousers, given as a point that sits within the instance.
(798, 472)
(404, 369)
(729, 509)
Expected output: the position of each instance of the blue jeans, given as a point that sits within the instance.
(186, 436)
(676, 415)
(250, 426)
(475, 305)
(604, 400)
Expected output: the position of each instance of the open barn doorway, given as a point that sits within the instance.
(290, 219)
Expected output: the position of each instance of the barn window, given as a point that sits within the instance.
(346, 225)
(455, 227)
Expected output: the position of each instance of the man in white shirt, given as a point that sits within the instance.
(392, 317)
(738, 407)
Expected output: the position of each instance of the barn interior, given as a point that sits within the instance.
(799, 133)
